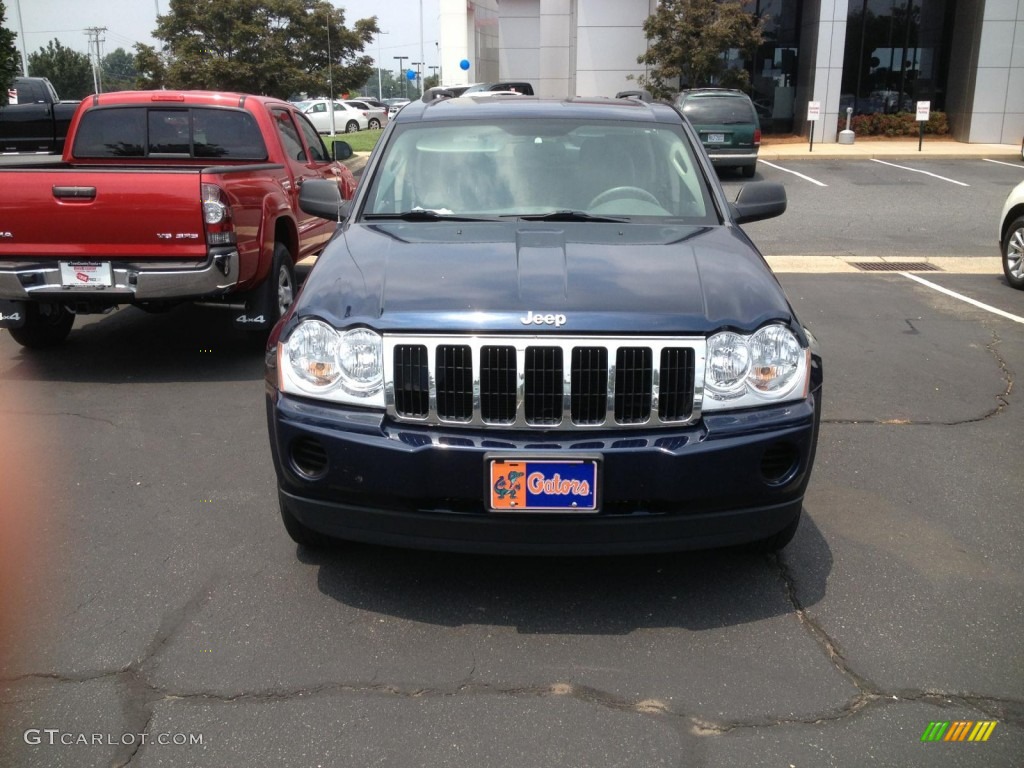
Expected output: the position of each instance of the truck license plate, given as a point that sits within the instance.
(541, 485)
(86, 274)
(716, 138)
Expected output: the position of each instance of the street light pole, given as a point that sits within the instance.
(401, 74)
(330, 74)
(419, 84)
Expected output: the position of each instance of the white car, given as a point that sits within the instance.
(1011, 237)
(347, 119)
(376, 117)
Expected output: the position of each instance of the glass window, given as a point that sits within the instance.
(289, 136)
(313, 141)
(536, 166)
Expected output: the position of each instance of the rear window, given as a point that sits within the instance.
(719, 109)
(195, 132)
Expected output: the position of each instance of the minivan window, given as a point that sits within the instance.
(721, 110)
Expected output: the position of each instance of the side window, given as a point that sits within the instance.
(316, 145)
(321, 107)
(289, 136)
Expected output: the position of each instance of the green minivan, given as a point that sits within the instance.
(727, 124)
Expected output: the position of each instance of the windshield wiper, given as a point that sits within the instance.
(567, 215)
(422, 214)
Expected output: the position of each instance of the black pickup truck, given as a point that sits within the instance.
(35, 119)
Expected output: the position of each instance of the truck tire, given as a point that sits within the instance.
(283, 280)
(46, 325)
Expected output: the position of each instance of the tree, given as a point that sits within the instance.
(150, 69)
(688, 41)
(68, 70)
(272, 47)
(119, 72)
(9, 59)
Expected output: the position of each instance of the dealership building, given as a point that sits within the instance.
(964, 57)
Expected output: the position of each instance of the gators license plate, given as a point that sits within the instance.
(86, 274)
(542, 485)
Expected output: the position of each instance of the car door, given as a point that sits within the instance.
(304, 163)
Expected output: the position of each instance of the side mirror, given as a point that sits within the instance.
(759, 200)
(322, 198)
(341, 150)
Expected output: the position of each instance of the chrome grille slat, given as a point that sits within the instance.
(544, 382)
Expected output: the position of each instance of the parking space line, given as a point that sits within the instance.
(805, 178)
(1003, 162)
(967, 299)
(915, 170)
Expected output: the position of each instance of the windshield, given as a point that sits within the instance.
(533, 167)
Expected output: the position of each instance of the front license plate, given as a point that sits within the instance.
(716, 138)
(86, 274)
(541, 485)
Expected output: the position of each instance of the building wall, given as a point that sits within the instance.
(609, 37)
(820, 76)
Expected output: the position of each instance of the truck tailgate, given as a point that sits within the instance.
(101, 214)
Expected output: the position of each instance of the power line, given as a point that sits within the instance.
(95, 40)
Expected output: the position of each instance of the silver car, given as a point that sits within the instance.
(376, 117)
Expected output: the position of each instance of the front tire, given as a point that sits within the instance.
(46, 325)
(351, 126)
(1013, 254)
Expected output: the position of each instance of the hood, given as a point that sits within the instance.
(515, 276)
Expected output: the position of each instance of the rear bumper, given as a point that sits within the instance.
(732, 159)
(132, 281)
(730, 479)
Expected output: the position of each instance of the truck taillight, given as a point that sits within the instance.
(757, 137)
(220, 226)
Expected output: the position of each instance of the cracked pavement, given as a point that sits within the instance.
(155, 591)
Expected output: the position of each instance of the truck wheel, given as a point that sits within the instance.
(351, 126)
(283, 277)
(374, 124)
(749, 171)
(302, 535)
(46, 325)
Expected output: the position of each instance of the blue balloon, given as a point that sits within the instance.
(411, 74)
(464, 64)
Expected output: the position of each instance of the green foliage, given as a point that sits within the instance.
(688, 40)
(151, 72)
(272, 47)
(363, 141)
(896, 124)
(119, 72)
(10, 61)
(68, 70)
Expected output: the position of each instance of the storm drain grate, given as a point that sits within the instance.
(894, 266)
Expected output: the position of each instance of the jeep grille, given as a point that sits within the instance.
(535, 382)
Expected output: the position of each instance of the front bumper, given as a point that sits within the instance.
(132, 281)
(729, 479)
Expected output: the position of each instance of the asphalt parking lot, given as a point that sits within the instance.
(152, 589)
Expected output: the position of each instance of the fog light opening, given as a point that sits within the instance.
(780, 463)
(309, 457)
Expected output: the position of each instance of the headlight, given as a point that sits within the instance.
(343, 366)
(746, 371)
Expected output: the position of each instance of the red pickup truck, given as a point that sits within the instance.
(163, 197)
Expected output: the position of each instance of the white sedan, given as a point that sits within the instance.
(1011, 236)
(347, 119)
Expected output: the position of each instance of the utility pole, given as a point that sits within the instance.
(401, 74)
(433, 71)
(94, 44)
(21, 39)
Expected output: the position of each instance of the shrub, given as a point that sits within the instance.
(896, 124)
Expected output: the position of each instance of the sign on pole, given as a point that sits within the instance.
(923, 111)
(813, 114)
